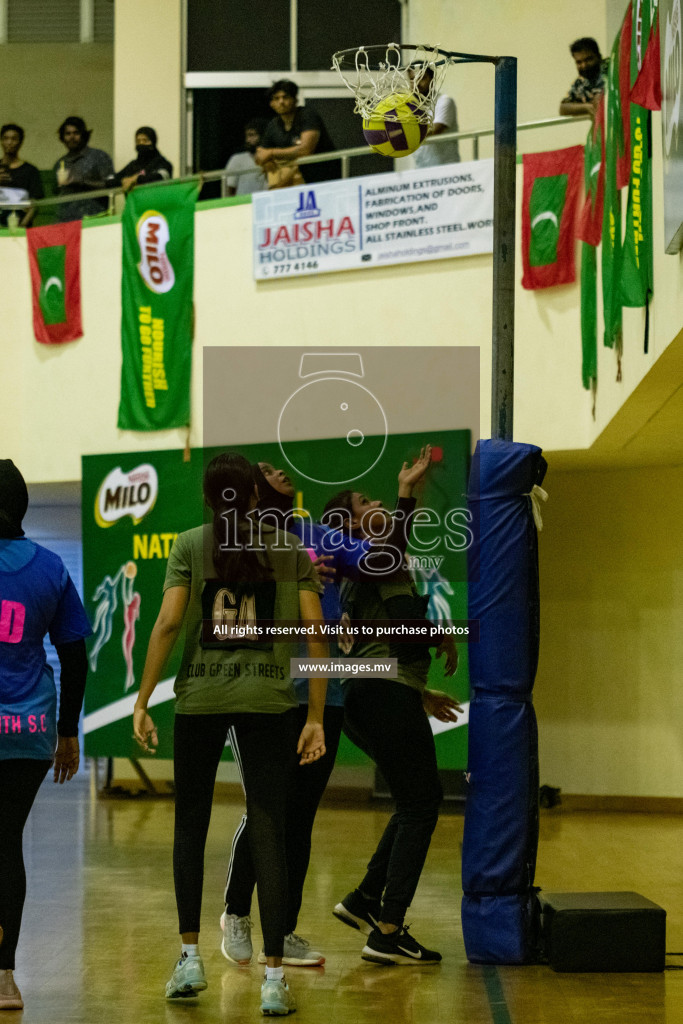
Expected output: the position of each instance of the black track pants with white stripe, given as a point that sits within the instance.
(308, 786)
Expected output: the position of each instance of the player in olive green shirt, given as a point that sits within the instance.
(224, 589)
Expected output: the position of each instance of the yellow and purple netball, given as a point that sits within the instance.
(393, 128)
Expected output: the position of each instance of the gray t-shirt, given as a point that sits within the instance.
(215, 678)
(88, 169)
(253, 180)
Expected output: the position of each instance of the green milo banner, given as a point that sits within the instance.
(156, 306)
(135, 504)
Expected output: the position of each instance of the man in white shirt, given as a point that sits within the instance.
(445, 120)
(243, 175)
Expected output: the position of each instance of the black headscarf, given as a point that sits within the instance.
(147, 153)
(270, 500)
(13, 500)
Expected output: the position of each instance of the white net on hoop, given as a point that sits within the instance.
(372, 73)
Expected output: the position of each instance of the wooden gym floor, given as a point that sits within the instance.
(99, 937)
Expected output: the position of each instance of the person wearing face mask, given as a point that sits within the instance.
(586, 91)
(242, 174)
(37, 597)
(148, 166)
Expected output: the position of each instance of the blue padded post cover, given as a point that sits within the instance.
(499, 907)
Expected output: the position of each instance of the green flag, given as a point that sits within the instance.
(611, 223)
(51, 297)
(589, 316)
(637, 265)
(156, 306)
(545, 209)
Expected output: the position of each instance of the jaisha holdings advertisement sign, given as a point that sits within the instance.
(403, 217)
(156, 307)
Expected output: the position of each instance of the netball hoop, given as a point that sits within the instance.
(373, 73)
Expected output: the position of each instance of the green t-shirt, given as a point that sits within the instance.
(364, 601)
(232, 678)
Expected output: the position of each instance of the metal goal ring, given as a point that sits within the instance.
(348, 58)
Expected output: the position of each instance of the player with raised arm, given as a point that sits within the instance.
(338, 557)
(387, 719)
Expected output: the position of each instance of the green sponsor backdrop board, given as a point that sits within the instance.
(134, 505)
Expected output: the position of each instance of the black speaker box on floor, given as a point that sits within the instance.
(602, 931)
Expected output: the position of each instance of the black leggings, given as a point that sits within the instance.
(388, 722)
(267, 752)
(20, 781)
(308, 786)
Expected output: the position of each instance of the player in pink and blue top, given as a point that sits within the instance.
(37, 597)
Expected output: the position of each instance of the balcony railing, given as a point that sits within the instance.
(343, 155)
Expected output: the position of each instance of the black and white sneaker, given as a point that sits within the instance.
(398, 947)
(358, 911)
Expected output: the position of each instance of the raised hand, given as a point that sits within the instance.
(409, 475)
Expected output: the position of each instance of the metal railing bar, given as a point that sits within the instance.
(345, 155)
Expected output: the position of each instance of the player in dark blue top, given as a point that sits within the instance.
(337, 556)
(37, 597)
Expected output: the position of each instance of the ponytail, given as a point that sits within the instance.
(228, 489)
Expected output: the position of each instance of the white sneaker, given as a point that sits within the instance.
(276, 999)
(236, 942)
(297, 952)
(188, 978)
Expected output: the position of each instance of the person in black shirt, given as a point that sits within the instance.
(15, 173)
(294, 132)
(149, 165)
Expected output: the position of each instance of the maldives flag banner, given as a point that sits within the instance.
(157, 306)
(552, 183)
(54, 259)
(611, 221)
(590, 220)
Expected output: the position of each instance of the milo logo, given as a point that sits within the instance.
(126, 494)
(154, 266)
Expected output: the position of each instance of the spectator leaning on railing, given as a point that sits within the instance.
(80, 169)
(294, 132)
(148, 166)
(585, 92)
(19, 180)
